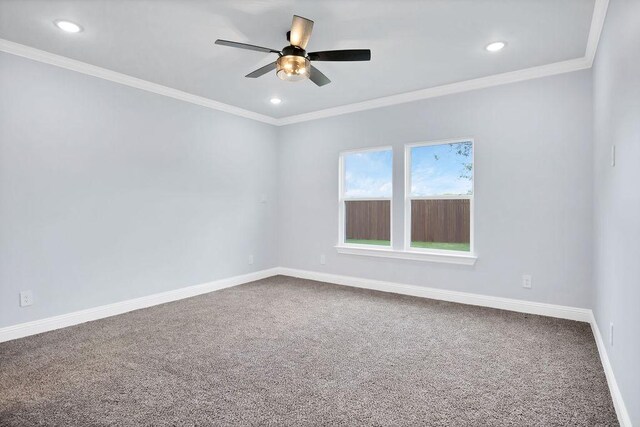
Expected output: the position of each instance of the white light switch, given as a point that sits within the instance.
(611, 334)
(613, 155)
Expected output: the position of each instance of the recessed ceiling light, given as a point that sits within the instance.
(68, 26)
(495, 46)
(275, 101)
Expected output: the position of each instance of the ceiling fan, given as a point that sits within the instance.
(294, 62)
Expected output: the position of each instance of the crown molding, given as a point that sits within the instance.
(124, 79)
(449, 89)
(597, 23)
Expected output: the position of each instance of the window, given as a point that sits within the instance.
(438, 203)
(365, 197)
(439, 196)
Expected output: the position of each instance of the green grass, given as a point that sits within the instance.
(369, 242)
(423, 245)
(440, 245)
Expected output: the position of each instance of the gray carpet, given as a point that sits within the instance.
(286, 351)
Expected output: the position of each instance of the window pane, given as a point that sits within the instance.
(444, 169)
(441, 224)
(368, 222)
(368, 174)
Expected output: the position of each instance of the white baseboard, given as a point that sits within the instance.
(62, 321)
(95, 313)
(551, 310)
(621, 410)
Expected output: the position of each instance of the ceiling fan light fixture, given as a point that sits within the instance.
(294, 63)
(293, 68)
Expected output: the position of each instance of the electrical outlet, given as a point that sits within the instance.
(250, 259)
(26, 298)
(263, 198)
(323, 259)
(611, 334)
(526, 281)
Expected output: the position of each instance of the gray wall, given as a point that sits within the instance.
(616, 91)
(109, 193)
(533, 188)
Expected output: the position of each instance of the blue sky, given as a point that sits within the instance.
(435, 171)
(368, 174)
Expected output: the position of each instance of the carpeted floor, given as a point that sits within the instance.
(284, 351)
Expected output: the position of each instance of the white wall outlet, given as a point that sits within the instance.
(611, 334)
(250, 259)
(613, 155)
(26, 298)
(263, 198)
(526, 281)
(323, 259)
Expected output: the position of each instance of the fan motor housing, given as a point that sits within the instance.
(292, 50)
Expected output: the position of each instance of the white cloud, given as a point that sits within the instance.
(427, 181)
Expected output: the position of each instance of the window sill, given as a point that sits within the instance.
(444, 257)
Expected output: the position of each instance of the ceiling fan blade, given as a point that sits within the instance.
(300, 31)
(341, 55)
(246, 46)
(317, 77)
(262, 71)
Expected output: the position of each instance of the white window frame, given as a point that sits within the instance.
(342, 231)
(408, 198)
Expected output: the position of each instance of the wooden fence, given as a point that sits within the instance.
(445, 221)
(368, 219)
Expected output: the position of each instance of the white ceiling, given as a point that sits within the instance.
(415, 44)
